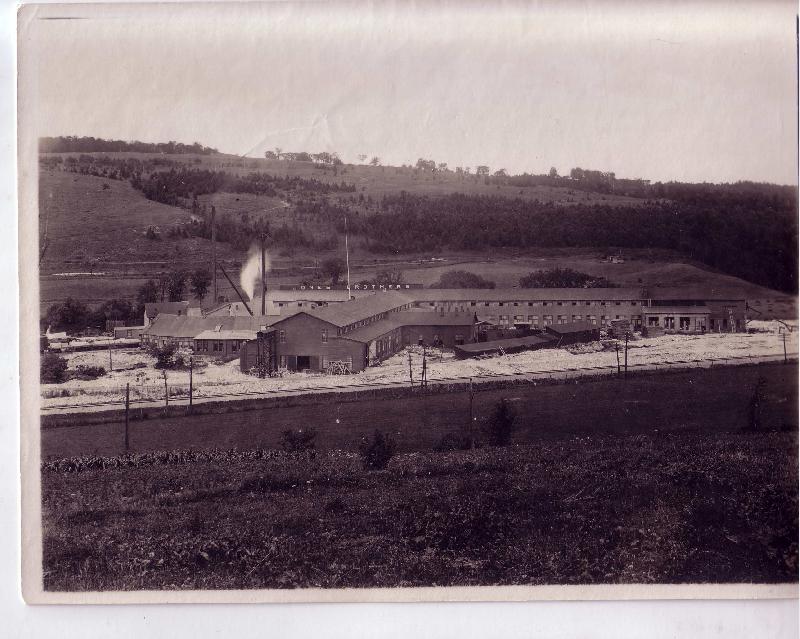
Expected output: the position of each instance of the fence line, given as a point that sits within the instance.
(181, 391)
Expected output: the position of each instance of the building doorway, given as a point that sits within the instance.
(303, 362)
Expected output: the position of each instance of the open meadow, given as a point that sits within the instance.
(657, 480)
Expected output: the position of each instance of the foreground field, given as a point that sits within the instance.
(656, 508)
(700, 400)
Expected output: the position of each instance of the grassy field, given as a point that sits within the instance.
(658, 508)
(656, 480)
(702, 400)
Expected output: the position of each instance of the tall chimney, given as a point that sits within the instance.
(214, 251)
(263, 276)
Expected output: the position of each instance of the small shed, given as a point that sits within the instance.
(573, 332)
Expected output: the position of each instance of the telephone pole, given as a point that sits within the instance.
(214, 251)
(626, 355)
(127, 409)
(263, 237)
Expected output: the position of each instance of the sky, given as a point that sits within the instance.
(662, 91)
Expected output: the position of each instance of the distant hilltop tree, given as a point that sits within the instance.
(73, 144)
(563, 278)
(462, 279)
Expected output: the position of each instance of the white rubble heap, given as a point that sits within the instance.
(135, 366)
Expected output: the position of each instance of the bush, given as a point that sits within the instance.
(53, 369)
(501, 424)
(454, 441)
(298, 441)
(90, 372)
(164, 355)
(376, 452)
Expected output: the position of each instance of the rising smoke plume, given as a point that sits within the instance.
(251, 271)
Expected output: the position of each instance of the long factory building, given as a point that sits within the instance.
(314, 330)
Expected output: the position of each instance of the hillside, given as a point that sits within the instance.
(98, 223)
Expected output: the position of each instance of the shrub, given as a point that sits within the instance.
(376, 452)
(454, 441)
(53, 369)
(298, 441)
(90, 372)
(501, 424)
(164, 355)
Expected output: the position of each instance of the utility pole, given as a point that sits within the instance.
(471, 414)
(785, 359)
(214, 251)
(111, 364)
(191, 370)
(424, 368)
(616, 348)
(410, 371)
(127, 409)
(626, 355)
(263, 274)
(347, 256)
(166, 389)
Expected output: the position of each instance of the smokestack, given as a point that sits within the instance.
(263, 277)
(214, 251)
(347, 256)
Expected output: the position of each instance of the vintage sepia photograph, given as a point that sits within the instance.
(384, 301)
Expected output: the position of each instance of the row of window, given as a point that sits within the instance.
(498, 304)
(547, 320)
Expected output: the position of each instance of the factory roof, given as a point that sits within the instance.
(227, 334)
(523, 294)
(361, 308)
(190, 327)
(408, 318)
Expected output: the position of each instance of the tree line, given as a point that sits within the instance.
(72, 144)
(753, 237)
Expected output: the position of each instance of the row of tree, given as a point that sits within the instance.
(72, 144)
(750, 237)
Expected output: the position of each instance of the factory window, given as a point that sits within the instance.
(283, 361)
(684, 323)
(669, 322)
(652, 320)
(282, 337)
(324, 335)
(534, 320)
(577, 318)
(562, 319)
(547, 320)
(592, 319)
(519, 317)
(235, 346)
(472, 303)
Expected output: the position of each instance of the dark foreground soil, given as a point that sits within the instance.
(662, 507)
